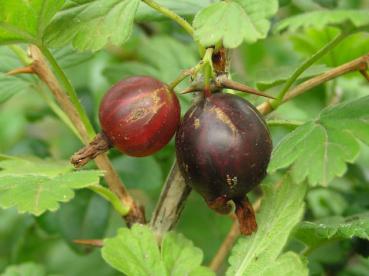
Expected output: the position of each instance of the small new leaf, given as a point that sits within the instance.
(322, 18)
(91, 24)
(25, 21)
(314, 233)
(319, 149)
(232, 22)
(135, 252)
(281, 209)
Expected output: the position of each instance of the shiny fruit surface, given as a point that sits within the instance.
(139, 115)
(223, 149)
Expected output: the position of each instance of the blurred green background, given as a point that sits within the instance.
(161, 49)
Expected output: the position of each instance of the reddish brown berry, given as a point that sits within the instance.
(139, 115)
(223, 148)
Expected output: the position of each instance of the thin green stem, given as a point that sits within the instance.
(21, 54)
(112, 198)
(205, 65)
(170, 14)
(208, 69)
(70, 91)
(184, 74)
(288, 123)
(333, 43)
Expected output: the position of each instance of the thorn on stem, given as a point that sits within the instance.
(95, 243)
(21, 70)
(224, 82)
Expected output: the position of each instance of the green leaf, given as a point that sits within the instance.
(179, 254)
(288, 264)
(281, 209)
(91, 24)
(29, 269)
(232, 22)
(25, 21)
(322, 18)
(68, 57)
(135, 252)
(314, 233)
(319, 149)
(36, 186)
(13, 166)
(271, 77)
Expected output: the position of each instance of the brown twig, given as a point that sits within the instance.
(228, 242)
(94, 243)
(222, 81)
(359, 64)
(43, 71)
(171, 202)
(21, 70)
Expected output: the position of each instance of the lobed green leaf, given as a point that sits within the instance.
(135, 252)
(26, 21)
(35, 186)
(232, 22)
(259, 254)
(91, 24)
(314, 233)
(319, 149)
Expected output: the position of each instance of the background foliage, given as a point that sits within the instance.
(322, 228)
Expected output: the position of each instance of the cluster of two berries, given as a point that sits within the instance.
(223, 145)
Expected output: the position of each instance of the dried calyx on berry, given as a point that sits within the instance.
(138, 116)
(223, 148)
